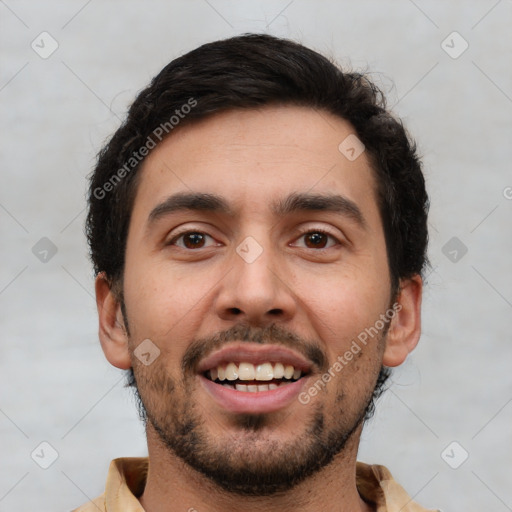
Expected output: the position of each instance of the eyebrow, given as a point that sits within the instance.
(195, 201)
(295, 202)
(335, 203)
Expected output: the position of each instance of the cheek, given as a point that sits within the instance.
(344, 304)
(164, 305)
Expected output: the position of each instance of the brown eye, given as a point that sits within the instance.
(191, 240)
(315, 240)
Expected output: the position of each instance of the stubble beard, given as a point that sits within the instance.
(248, 462)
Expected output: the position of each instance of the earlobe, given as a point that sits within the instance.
(404, 332)
(112, 332)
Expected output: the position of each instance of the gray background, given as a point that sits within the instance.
(57, 111)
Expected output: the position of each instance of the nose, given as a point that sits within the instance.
(255, 291)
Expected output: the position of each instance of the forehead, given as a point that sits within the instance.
(257, 157)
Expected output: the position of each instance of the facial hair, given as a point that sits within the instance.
(251, 462)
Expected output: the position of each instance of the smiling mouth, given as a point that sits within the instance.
(250, 378)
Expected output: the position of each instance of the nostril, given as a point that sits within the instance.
(235, 311)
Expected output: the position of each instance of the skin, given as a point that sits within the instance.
(176, 295)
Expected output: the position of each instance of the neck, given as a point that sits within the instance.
(173, 486)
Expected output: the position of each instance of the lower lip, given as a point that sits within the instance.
(243, 402)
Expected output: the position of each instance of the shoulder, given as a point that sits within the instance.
(376, 485)
(125, 483)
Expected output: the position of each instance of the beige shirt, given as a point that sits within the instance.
(127, 477)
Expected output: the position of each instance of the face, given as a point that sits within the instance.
(255, 259)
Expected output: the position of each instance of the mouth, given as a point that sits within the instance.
(251, 378)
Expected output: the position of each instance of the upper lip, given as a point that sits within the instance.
(254, 353)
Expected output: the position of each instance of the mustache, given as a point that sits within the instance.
(271, 334)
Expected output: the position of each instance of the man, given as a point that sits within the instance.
(258, 232)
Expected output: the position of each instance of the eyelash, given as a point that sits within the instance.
(301, 234)
(308, 231)
(188, 232)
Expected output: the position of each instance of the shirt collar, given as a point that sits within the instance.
(127, 478)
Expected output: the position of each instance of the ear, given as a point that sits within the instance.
(112, 331)
(404, 332)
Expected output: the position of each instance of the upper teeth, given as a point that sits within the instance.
(248, 371)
